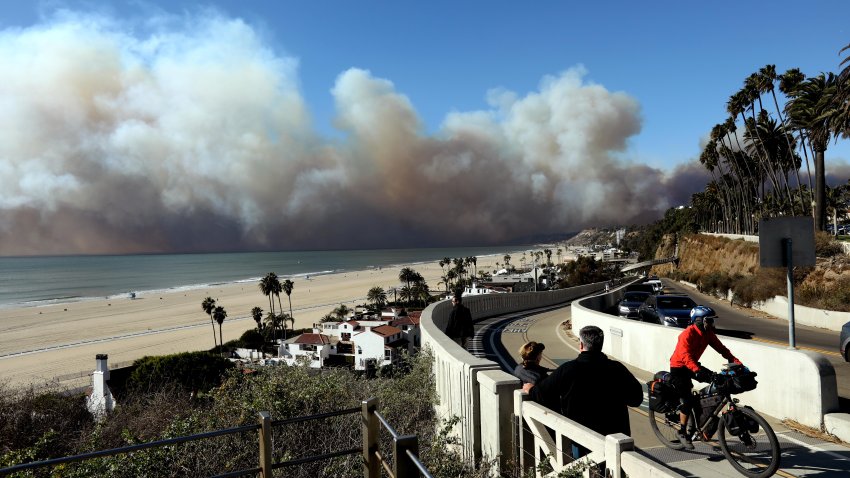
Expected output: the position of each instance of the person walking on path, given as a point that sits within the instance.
(529, 370)
(460, 327)
(684, 363)
(592, 390)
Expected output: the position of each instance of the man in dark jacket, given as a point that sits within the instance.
(592, 389)
(460, 327)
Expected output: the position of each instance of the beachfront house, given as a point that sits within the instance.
(370, 342)
(312, 349)
(409, 326)
(378, 346)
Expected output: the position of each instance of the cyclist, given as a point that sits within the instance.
(684, 364)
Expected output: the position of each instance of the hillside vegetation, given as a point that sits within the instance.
(718, 265)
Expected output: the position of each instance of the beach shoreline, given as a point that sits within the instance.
(58, 342)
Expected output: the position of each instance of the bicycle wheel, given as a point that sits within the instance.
(753, 454)
(666, 427)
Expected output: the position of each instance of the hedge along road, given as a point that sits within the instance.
(500, 339)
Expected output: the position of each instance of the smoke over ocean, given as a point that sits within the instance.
(194, 136)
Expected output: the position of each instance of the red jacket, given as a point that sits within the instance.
(691, 345)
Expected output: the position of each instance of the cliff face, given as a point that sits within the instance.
(701, 254)
(717, 264)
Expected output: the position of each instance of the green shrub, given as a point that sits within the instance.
(826, 246)
(192, 371)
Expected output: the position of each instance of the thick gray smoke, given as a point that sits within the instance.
(194, 136)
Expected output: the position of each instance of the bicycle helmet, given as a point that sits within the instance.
(703, 316)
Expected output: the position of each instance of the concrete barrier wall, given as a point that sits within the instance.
(778, 307)
(793, 384)
(825, 319)
(457, 371)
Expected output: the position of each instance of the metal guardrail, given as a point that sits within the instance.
(648, 263)
(405, 449)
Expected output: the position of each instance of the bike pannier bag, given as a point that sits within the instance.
(741, 382)
(661, 396)
(737, 423)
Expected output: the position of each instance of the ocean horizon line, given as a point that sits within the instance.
(38, 281)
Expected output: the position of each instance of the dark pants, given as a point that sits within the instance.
(680, 379)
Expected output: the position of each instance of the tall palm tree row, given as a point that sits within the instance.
(757, 174)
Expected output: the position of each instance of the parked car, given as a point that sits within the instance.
(671, 310)
(630, 303)
(656, 285)
(844, 342)
(642, 287)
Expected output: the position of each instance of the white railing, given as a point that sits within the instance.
(482, 396)
(544, 433)
(491, 419)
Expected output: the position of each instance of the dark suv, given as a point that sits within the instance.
(844, 342)
(631, 302)
(671, 310)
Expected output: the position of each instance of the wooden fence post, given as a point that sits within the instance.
(404, 466)
(265, 445)
(369, 425)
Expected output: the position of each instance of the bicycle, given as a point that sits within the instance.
(746, 439)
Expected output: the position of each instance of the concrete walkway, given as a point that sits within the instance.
(802, 456)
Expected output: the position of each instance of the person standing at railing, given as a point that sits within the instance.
(460, 327)
(592, 390)
(530, 371)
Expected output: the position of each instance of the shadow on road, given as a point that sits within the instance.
(738, 334)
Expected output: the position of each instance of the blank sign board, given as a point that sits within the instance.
(773, 232)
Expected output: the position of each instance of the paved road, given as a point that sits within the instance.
(499, 339)
(754, 325)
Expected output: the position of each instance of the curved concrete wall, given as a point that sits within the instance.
(476, 390)
(825, 319)
(792, 384)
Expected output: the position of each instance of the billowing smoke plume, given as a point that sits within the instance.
(194, 136)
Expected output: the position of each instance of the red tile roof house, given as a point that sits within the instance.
(312, 349)
(378, 346)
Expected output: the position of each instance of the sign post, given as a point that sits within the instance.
(786, 242)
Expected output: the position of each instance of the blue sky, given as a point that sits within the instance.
(172, 126)
(680, 60)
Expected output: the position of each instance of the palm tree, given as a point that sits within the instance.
(474, 261)
(406, 275)
(282, 319)
(219, 314)
(287, 287)
(342, 311)
(268, 287)
(377, 296)
(558, 253)
(507, 261)
(813, 108)
(209, 305)
(257, 315)
(272, 321)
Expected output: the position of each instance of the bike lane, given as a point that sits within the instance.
(802, 456)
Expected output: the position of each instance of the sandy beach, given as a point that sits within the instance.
(59, 342)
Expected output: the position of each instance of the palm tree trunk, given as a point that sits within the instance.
(221, 340)
(212, 323)
(820, 187)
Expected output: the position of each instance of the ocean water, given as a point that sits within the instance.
(32, 281)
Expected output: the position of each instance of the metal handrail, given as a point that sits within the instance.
(126, 449)
(419, 465)
(387, 425)
(406, 446)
